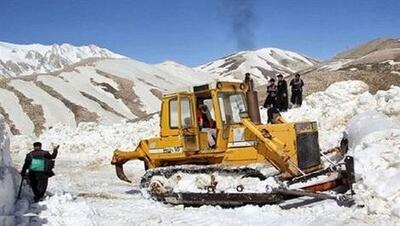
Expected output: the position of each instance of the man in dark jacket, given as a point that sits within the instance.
(40, 164)
(282, 95)
(297, 90)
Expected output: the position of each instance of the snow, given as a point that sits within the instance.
(357, 127)
(148, 82)
(72, 94)
(81, 81)
(86, 191)
(335, 65)
(181, 182)
(37, 58)
(15, 112)
(377, 158)
(274, 60)
(165, 76)
(391, 62)
(51, 106)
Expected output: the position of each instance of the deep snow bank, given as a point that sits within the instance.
(7, 176)
(372, 123)
(89, 140)
(334, 107)
(375, 145)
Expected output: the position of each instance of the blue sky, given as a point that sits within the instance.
(193, 32)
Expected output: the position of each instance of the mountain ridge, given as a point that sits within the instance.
(25, 59)
(262, 63)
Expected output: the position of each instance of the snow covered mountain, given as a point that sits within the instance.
(262, 64)
(93, 90)
(16, 60)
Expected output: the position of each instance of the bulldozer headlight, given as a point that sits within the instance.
(219, 85)
(242, 86)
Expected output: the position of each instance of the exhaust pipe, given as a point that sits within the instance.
(252, 100)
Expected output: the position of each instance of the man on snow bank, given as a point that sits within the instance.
(40, 164)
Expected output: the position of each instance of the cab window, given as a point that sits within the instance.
(231, 105)
(186, 113)
(173, 114)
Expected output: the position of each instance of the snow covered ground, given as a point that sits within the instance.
(85, 190)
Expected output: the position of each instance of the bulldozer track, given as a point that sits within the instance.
(167, 172)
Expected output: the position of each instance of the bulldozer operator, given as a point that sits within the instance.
(207, 124)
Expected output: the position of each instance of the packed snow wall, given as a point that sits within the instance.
(7, 175)
(375, 144)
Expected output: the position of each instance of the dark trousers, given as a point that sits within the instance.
(270, 101)
(297, 97)
(272, 113)
(282, 103)
(38, 183)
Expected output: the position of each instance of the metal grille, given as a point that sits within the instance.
(308, 150)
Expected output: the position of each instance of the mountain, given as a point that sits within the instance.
(379, 51)
(262, 64)
(17, 60)
(376, 62)
(106, 87)
(93, 90)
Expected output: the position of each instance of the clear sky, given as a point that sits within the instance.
(194, 32)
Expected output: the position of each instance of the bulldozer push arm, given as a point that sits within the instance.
(121, 157)
(274, 149)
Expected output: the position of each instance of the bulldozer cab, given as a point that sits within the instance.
(181, 114)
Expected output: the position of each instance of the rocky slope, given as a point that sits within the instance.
(377, 63)
(93, 90)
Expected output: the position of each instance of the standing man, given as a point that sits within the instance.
(40, 164)
(297, 90)
(282, 95)
(271, 100)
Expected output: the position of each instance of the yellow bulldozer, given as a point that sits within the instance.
(233, 144)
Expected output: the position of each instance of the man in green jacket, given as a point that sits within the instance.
(40, 164)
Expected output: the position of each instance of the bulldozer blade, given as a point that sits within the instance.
(341, 200)
(119, 169)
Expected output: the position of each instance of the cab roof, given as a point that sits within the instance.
(203, 87)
